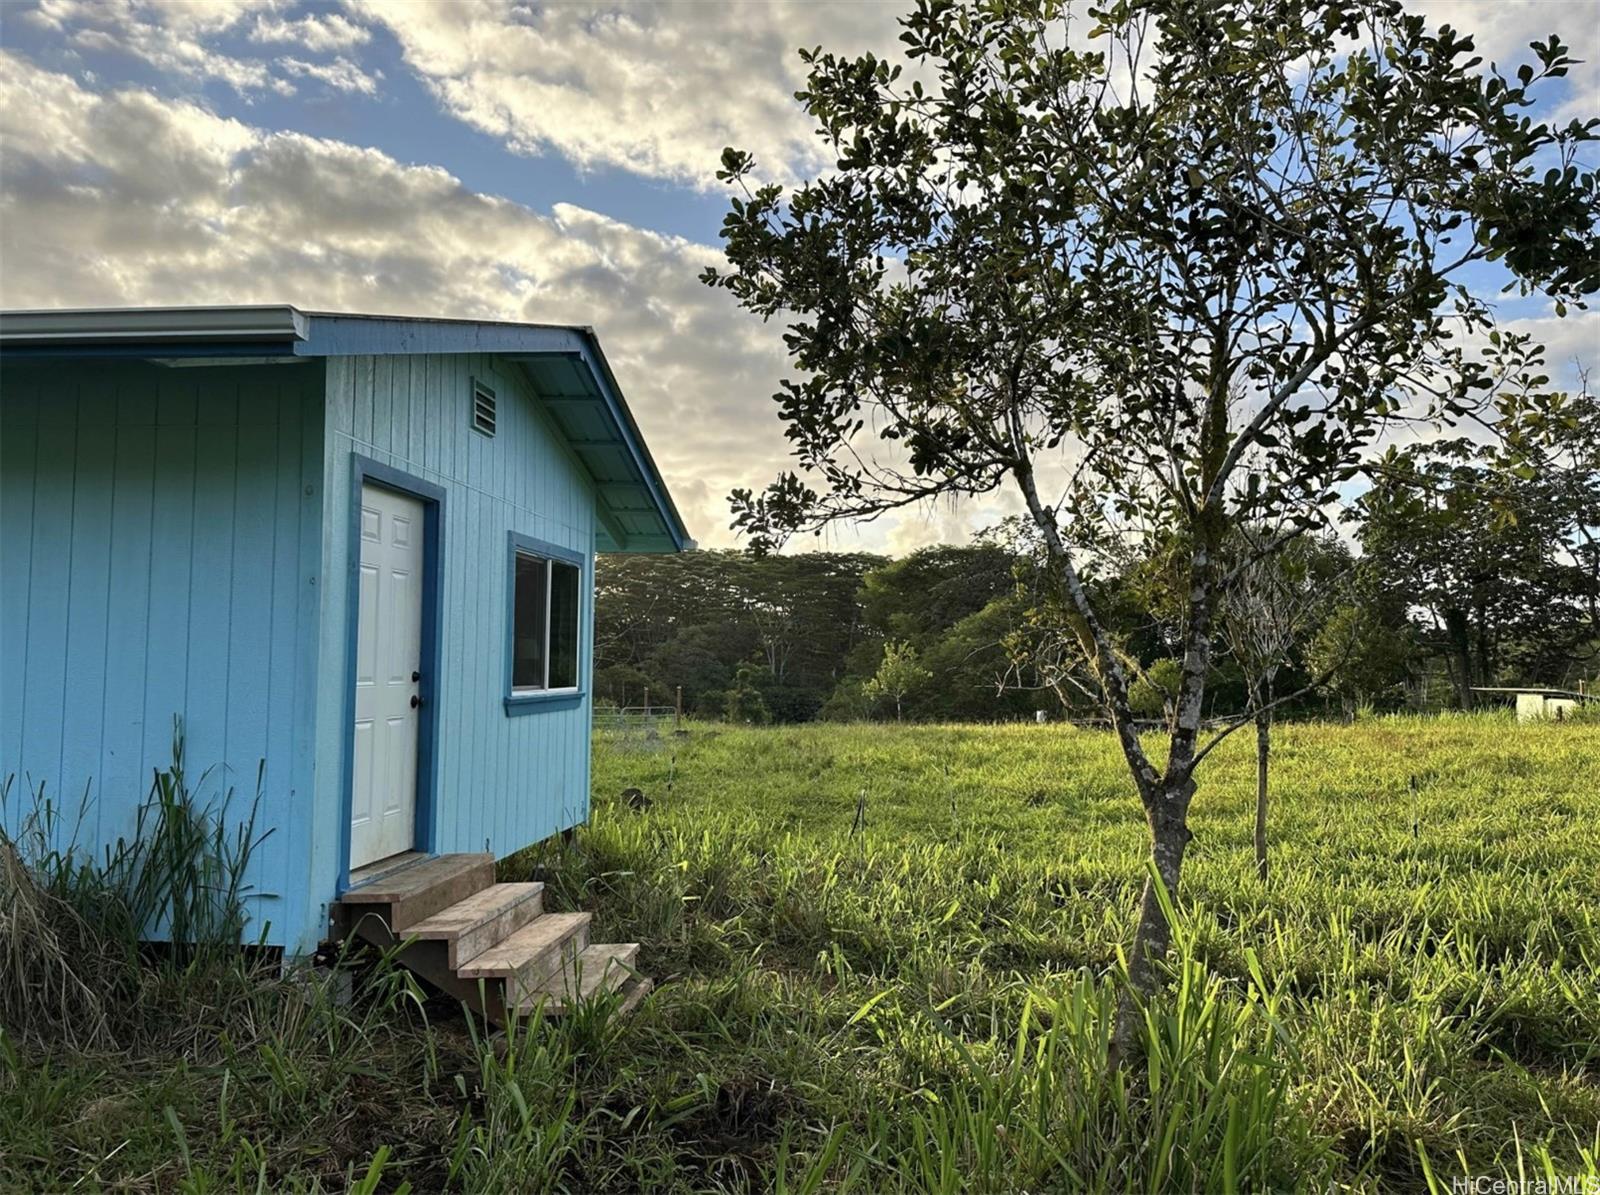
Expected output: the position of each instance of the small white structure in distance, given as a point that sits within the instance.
(1543, 705)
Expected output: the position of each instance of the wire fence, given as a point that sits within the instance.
(641, 718)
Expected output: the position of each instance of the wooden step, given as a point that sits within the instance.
(531, 955)
(491, 946)
(471, 926)
(483, 996)
(604, 966)
(634, 990)
(406, 895)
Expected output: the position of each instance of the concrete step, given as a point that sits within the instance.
(406, 895)
(603, 967)
(531, 955)
(471, 926)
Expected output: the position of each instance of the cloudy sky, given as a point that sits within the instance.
(500, 159)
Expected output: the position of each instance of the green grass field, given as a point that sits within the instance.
(884, 957)
(1428, 945)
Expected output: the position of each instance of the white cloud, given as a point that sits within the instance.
(1571, 345)
(185, 17)
(126, 198)
(341, 74)
(952, 520)
(316, 32)
(657, 88)
(170, 35)
(1502, 29)
(179, 38)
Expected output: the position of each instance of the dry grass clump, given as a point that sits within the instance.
(44, 948)
(104, 948)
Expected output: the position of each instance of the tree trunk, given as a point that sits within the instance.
(1169, 838)
(1263, 750)
(1167, 810)
(1165, 798)
(1455, 623)
(1485, 651)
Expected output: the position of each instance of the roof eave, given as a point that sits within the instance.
(264, 324)
(286, 330)
(676, 528)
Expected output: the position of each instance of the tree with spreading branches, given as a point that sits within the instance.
(900, 672)
(1273, 605)
(1165, 268)
(1499, 566)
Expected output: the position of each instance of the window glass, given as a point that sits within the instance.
(530, 615)
(563, 625)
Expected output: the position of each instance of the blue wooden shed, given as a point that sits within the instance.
(355, 552)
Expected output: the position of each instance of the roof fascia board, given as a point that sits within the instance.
(230, 353)
(343, 336)
(153, 326)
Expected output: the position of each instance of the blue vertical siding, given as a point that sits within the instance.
(161, 533)
(175, 542)
(128, 617)
(501, 782)
(19, 449)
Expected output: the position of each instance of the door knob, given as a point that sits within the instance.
(416, 676)
(415, 701)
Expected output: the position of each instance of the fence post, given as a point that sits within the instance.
(677, 716)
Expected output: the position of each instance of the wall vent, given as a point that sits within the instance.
(483, 408)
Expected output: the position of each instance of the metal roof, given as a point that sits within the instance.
(564, 365)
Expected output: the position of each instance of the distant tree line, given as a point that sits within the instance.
(1468, 573)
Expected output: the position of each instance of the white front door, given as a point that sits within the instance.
(383, 802)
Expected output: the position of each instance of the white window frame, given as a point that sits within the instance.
(521, 549)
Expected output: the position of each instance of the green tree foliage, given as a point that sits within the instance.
(977, 677)
(1155, 690)
(898, 674)
(1555, 436)
(816, 624)
(1499, 563)
(956, 606)
(694, 619)
(745, 701)
(929, 591)
(1367, 652)
(1216, 256)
